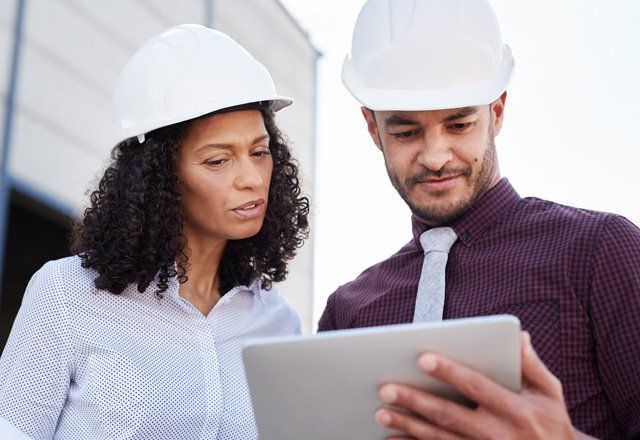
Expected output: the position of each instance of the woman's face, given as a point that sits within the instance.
(224, 167)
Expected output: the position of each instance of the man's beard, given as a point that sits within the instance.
(448, 214)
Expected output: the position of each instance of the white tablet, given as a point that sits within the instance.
(325, 386)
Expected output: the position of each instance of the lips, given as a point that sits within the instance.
(440, 179)
(249, 205)
(439, 183)
(250, 209)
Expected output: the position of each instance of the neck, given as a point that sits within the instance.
(202, 288)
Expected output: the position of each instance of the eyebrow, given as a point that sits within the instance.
(406, 120)
(228, 146)
(399, 120)
(461, 113)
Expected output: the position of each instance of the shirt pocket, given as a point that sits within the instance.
(542, 320)
(114, 393)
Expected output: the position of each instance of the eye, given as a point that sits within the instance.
(405, 135)
(216, 162)
(461, 126)
(262, 153)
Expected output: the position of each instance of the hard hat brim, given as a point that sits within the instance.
(276, 103)
(420, 100)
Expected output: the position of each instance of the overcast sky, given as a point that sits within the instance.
(570, 134)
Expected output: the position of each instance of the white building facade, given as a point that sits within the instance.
(60, 61)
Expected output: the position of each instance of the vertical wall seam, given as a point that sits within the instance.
(208, 13)
(5, 190)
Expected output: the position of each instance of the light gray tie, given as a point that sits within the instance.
(436, 243)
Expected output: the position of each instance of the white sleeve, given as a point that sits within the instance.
(36, 364)
(8, 431)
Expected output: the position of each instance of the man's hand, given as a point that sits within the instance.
(538, 412)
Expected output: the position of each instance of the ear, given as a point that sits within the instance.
(497, 112)
(372, 125)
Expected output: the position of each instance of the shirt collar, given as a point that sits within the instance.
(482, 215)
(255, 287)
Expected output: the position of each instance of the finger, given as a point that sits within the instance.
(413, 426)
(476, 386)
(440, 412)
(535, 372)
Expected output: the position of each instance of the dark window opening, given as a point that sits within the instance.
(35, 234)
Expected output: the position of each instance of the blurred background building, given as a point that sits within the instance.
(59, 64)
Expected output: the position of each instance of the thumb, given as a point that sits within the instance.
(535, 372)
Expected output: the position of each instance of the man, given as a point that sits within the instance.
(432, 78)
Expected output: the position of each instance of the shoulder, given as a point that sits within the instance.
(589, 235)
(548, 211)
(551, 218)
(280, 308)
(59, 284)
(617, 243)
(380, 272)
(619, 227)
(378, 279)
(44, 313)
(66, 274)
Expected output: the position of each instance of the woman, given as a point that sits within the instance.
(140, 334)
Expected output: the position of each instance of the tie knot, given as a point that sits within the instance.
(438, 239)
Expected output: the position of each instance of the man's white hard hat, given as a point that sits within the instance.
(427, 55)
(186, 72)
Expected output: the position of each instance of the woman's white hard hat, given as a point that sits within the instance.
(186, 72)
(427, 55)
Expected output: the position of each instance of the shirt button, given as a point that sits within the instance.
(466, 238)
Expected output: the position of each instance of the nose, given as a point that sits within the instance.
(435, 151)
(248, 174)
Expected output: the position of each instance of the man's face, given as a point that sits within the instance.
(439, 161)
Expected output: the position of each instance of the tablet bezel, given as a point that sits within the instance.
(324, 386)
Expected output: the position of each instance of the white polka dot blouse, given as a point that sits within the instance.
(86, 364)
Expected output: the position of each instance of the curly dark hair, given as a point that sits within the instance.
(133, 229)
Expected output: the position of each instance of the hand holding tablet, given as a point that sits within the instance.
(326, 386)
(537, 411)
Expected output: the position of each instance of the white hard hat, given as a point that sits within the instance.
(186, 72)
(427, 55)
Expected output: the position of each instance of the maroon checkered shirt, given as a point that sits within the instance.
(572, 277)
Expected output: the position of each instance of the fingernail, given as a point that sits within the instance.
(428, 363)
(383, 418)
(388, 394)
(526, 341)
